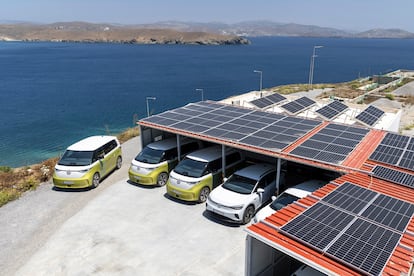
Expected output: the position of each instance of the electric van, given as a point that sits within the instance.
(86, 162)
(153, 164)
(201, 171)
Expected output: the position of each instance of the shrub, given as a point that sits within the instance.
(389, 96)
(8, 195)
(5, 169)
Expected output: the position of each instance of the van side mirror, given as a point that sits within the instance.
(274, 198)
(101, 156)
(260, 190)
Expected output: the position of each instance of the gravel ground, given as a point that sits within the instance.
(28, 222)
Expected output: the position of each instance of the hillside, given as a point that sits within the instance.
(269, 28)
(96, 33)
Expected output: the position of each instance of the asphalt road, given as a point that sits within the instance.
(117, 229)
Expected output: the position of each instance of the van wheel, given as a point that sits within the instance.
(119, 163)
(204, 194)
(248, 214)
(95, 180)
(162, 179)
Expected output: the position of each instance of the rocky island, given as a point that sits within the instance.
(106, 33)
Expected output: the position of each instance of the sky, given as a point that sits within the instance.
(350, 15)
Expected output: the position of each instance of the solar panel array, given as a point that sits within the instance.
(370, 115)
(396, 150)
(260, 129)
(331, 144)
(268, 100)
(332, 110)
(354, 225)
(298, 105)
(395, 176)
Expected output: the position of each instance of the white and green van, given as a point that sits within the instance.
(84, 163)
(201, 171)
(152, 165)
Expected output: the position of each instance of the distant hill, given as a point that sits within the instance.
(175, 32)
(268, 28)
(385, 33)
(88, 32)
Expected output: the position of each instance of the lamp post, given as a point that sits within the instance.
(261, 80)
(312, 65)
(202, 93)
(147, 99)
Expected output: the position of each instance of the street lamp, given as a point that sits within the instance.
(261, 79)
(312, 65)
(149, 98)
(202, 93)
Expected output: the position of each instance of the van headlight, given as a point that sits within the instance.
(236, 207)
(83, 171)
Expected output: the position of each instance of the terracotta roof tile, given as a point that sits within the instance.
(401, 259)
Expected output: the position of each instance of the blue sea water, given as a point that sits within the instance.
(53, 94)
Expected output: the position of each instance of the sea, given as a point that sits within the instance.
(53, 94)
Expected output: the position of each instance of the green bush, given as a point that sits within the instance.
(5, 169)
(389, 96)
(7, 195)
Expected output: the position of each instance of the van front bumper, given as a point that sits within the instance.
(187, 195)
(72, 183)
(142, 179)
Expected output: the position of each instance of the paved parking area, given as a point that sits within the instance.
(134, 230)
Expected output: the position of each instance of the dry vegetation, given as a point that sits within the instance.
(348, 90)
(15, 181)
(88, 32)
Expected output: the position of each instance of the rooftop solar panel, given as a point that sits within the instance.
(268, 100)
(332, 110)
(256, 128)
(370, 116)
(332, 144)
(394, 176)
(298, 105)
(355, 225)
(396, 150)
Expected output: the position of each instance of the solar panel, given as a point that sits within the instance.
(268, 100)
(355, 225)
(293, 107)
(360, 247)
(332, 110)
(370, 116)
(390, 212)
(365, 203)
(298, 105)
(256, 128)
(332, 144)
(394, 176)
(396, 150)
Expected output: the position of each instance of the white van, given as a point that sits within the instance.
(200, 172)
(84, 163)
(288, 196)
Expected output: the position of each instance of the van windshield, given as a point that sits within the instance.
(240, 184)
(150, 156)
(191, 168)
(76, 158)
(282, 201)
